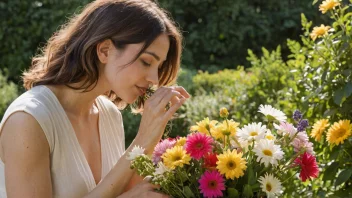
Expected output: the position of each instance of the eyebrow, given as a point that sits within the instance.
(153, 54)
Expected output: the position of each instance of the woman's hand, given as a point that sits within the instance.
(143, 190)
(155, 115)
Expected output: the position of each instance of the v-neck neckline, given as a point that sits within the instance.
(72, 133)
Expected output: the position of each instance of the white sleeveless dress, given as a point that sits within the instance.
(71, 175)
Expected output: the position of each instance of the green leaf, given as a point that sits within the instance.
(329, 112)
(348, 89)
(247, 191)
(343, 176)
(314, 2)
(330, 172)
(232, 192)
(338, 96)
(251, 176)
(188, 192)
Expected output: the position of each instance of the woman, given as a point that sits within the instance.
(62, 138)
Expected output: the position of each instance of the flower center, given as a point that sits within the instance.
(231, 165)
(226, 132)
(340, 133)
(267, 152)
(269, 137)
(212, 184)
(268, 187)
(199, 145)
(321, 31)
(253, 133)
(177, 158)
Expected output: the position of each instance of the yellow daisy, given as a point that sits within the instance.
(328, 5)
(175, 156)
(181, 141)
(231, 164)
(319, 31)
(339, 132)
(204, 126)
(228, 127)
(318, 129)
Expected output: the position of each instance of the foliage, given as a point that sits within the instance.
(25, 25)
(8, 92)
(326, 79)
(218, 32)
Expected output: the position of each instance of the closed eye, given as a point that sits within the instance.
(145, 63)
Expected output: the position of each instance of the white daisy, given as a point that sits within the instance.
(285, 128)
(136, 151)
(267, 152)
(272, 113)
(161, 169)
(271, 185)
(251, 132)
(269, 135)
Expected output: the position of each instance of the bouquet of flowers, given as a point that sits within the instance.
(222, 159)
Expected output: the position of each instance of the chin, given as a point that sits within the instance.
(129, 100)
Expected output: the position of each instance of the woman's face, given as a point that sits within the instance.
(131, 81)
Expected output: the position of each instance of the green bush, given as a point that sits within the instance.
(8, 92)
(219, 32)
(25, 25)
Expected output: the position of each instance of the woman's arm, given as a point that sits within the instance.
(153, 123)
(25, 152)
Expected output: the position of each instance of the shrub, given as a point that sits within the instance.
(8, 92)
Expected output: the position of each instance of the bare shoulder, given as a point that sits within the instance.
(25, 152)
(22, 133)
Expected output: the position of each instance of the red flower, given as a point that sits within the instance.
(309, 167)
(210, 160)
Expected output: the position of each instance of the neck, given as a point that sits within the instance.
(76, 102)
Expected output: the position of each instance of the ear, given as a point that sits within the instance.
(103, 50)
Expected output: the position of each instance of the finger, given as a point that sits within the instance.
(182, 91)
(150, 186)
(171, 96)
(155, 98)
(174, 108)
(147, 178)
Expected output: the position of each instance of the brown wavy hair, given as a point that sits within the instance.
(70, 54)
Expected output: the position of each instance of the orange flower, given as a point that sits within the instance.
(328, 5)
(319, 31)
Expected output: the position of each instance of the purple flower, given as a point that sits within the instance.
(302, 125)
(297, 115)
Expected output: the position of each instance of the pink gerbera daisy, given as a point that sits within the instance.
(198, 144)
(309, 167)
(160, 149)
(211, 184)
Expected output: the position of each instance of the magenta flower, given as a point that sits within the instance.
(198, 144)
(160, 149)
(211, 184)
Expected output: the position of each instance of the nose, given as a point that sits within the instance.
(153, 76)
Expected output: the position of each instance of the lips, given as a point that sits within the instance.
(142, 90)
